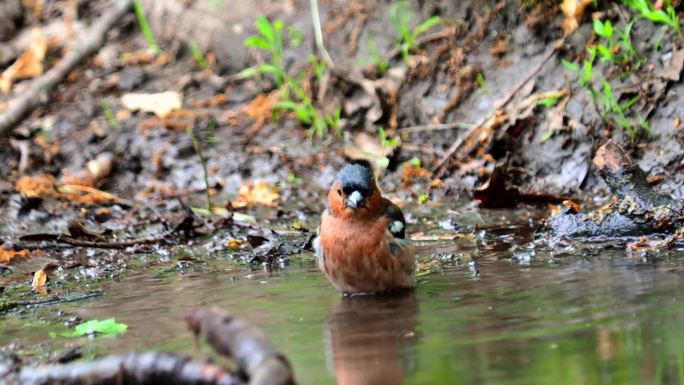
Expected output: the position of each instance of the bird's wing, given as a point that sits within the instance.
(396, 224)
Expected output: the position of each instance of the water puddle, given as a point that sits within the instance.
(499, 314)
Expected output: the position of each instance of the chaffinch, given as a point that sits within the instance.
(361, 244)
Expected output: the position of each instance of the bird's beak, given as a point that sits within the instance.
(354, 200)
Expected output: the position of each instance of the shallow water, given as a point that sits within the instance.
(590, 314)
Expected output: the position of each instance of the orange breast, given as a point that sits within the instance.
(357, 257)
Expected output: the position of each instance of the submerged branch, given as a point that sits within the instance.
(247, 345)
(136, 368)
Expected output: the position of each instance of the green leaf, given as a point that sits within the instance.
(599, 28)
(107, 327)
(423, 198)
(257, 42)
(426, 25)
(605, 53)
(415, 162)
(570, 65)
(548, 102)
(265, 28)
(296, 36)
(549, 134)
(608, 30)
(300, 111)
(249, 72)
(627, 105)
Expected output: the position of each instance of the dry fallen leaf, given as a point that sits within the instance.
(41, 186)
(257, 194)
(161, 104)
(6, 256)
(39, 280)
(87, 195)
(573, 10)
(28, 65)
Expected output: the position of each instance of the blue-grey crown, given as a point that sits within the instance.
(356, 177)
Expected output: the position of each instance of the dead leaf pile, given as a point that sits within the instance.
(257, 193)
(45, 186)
(411, 174)
(260, 109)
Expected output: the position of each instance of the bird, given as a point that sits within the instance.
(361, 245)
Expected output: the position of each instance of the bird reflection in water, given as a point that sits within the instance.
(368, 335)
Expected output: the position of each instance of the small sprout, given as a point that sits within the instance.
(548, 135)
(423, 198)
(109, 115)
(381, 64)
(198, 56)
(401, 15)
(296, 36)
(415, 162)
(481, 82)
(385, 141)
(145, 27)
(318, 67)
(198, 149)
(294, 179)
(648, 11)
(570, 66)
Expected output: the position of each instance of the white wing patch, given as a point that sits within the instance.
(316, 244)
(396, 227)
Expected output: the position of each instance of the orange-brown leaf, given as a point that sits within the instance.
(257, 194)
(6, 256)
(28, 65)
(41, 186)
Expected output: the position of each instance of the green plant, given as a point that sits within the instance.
(401, 16)
(605, 103)
(145, 27)
(198, 56)
(381, 64)
(293, 96)
(318, 67)
(423, 198)
(385, 143)
(109, 115)
(198, 149)
(647, 11)
(549, 101)
(619, 48)
(271, 41)
(481, 82)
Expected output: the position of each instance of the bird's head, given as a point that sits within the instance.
(355, 193)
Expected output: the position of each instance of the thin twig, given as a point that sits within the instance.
(42, 87)
(443, 34)
(440, 169)
(316, 18)
(434, 127)
(530, 74)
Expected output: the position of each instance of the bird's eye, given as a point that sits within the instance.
(339, 192)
